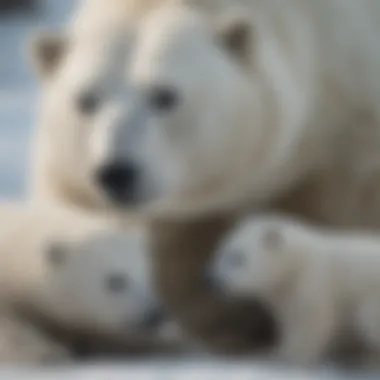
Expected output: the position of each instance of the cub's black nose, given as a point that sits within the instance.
(154, 319)
(118, 181)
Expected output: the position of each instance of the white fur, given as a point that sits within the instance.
(74, 292)
(246, 132)
(77, 293)
(322, 286)
(93, 60)
(301, 107)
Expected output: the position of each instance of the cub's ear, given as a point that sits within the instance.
(56, 254)
(47, 52)
(235, 32)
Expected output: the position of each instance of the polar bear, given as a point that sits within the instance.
(75, 276)
(322, 286)
(237, 103)
(101, 282)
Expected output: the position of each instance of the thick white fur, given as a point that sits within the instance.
(298, 114)
(321, 285)
(62, 167)
(65, 149)
(71, 290)
(302, 106)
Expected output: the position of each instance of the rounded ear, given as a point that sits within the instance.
(47, 52)
(56, 254)
(235, 32)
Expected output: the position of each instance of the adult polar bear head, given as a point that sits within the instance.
(218, 94)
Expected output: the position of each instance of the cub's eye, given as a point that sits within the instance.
(116, 283)
(237, 259)
(163, 98)
(88, 103)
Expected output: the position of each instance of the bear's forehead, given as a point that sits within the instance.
(175, 29)
(107, 60)
(97, 267)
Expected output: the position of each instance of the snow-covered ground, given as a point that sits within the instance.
(154, 370)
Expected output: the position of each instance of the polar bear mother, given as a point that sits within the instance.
(215, 105)
(237, 103)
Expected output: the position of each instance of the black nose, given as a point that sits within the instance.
(154, 319)
(118, 181)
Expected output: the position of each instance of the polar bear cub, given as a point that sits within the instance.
(322, 287)
(81, 273)
(101, 282)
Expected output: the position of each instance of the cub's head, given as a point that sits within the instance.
(256, 259)
(102, 283)
(211, 118)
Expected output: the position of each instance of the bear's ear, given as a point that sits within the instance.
(56, 254)
(235, 32)
(47, 52)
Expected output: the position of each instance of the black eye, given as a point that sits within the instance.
(163, 98)
(236, 259)
(116, 283)
(88, 103)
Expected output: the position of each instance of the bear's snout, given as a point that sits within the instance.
(118, 180)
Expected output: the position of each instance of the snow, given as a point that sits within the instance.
(18, 92)
(154, 370)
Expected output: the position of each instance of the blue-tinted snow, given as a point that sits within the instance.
(18, 92)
